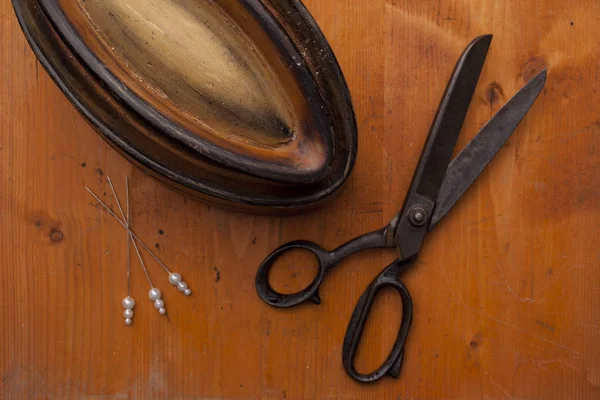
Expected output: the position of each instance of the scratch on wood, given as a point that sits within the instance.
(501, 388)
(511, 290)
(545, 325)
(484, 219)
(510, 325)
(586, 129)
(543, 339)
(543, 364)
(423, 24)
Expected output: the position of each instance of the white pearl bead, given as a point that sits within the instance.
(159, 304)
(174, 278)
(154, 294)
(182, 286)
(128, 313)
(128, 303)
(187, 292)
(162, 311)
(127, 321)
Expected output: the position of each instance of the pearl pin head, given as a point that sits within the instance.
(174, 278)
(128, 304)
(154, 294)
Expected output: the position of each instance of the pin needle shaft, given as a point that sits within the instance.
(125, 226)
(133, 235)
(128, 238)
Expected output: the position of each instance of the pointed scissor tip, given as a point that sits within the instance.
(539, 78)
(542, 76)
(484, 39)
(543, 73)
(480, 45)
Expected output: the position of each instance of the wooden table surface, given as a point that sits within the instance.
(506, 290)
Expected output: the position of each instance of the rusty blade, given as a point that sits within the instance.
(476, 155)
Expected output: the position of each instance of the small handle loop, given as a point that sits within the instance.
(276, 299)
(326, 260)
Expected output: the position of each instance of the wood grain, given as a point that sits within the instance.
(506, 289)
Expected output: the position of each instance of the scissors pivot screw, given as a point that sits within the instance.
(418, 215)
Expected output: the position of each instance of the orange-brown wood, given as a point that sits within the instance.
(506, 290)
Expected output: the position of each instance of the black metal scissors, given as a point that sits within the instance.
(437, 184)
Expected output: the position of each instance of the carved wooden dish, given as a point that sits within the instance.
(239, 102)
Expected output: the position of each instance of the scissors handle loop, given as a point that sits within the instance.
(326, 260)
(393, 363)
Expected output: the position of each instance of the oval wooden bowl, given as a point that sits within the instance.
(241, 103)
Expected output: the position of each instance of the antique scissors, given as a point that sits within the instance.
(437, 184)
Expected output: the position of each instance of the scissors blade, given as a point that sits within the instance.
(476, 155)
(439, 146)
(449, 119)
